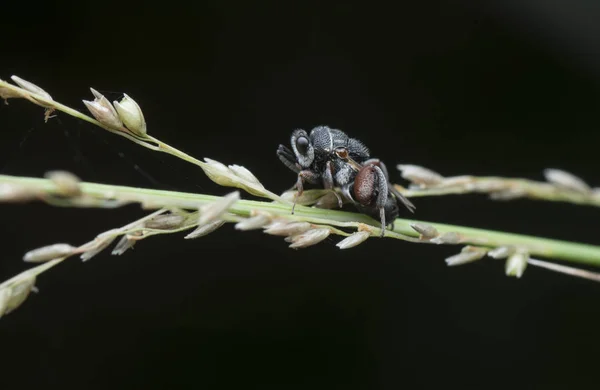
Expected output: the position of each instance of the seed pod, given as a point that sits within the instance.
(131, 114)
(244, 174)
(216, 209)
(353, 240)
(256, 222)
(447, 238)
(103, 111)
(425, 230)
(124, 244)
(308, 238)
(566, 180)
(287, 228)
(516, 264)
(48, 253)
(31, 87)
(205, 229)
(100, 246)
(13, 296)
(502, 252)
(467, 255)
(165, 222)
(420, 175)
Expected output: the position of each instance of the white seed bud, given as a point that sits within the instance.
(308, 238)
(48, 253)
(12, 297)
(425, 230)
(353, 240)
(123, 245)
(308, 197)
(502, 252)
(447, 238)
(100, 245)
(256, 222)
(420, 175)
(244, 174)
(489, 185)
(31, 87)
(205, 229)
(286, 228)
(457, 181)
(131, 115)
(467, 255)
(67, 184)
(220, 174)
(165, 222)
(103, 111)
(509, 194)
(329, 201)
(5, 294)
(566, 180)
(214, 210)
(516, 264)
(224, 176)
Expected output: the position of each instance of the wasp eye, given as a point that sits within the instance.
(302, 145)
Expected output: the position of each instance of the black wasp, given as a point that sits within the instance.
(328, 158)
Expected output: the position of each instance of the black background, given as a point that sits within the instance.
(487, 88)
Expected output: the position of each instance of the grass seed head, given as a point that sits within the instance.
(501, 252)
(48, 253)
(353, 240)
(420, 176)
(13, 295)
(205, 229)
(165, 222)
(468, 254)
(244, 174)
(255, 222)
(287, 228)
(516, 264)
(566, 180)
(124, 244)
(308, 238)
(31, 87)
(103, 111)
(131, 115)
(99, 245)
(213, 211)
(447, 238)
(425, 230)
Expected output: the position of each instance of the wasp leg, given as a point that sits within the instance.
(347, 192)
(328, 182)
(407, 203)
(382, 194)
(303, 176)
(287, 158)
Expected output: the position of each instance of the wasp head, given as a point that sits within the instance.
(303, 148)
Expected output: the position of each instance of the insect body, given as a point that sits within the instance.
(330, 159)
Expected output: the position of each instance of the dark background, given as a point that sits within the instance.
(473, 87)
